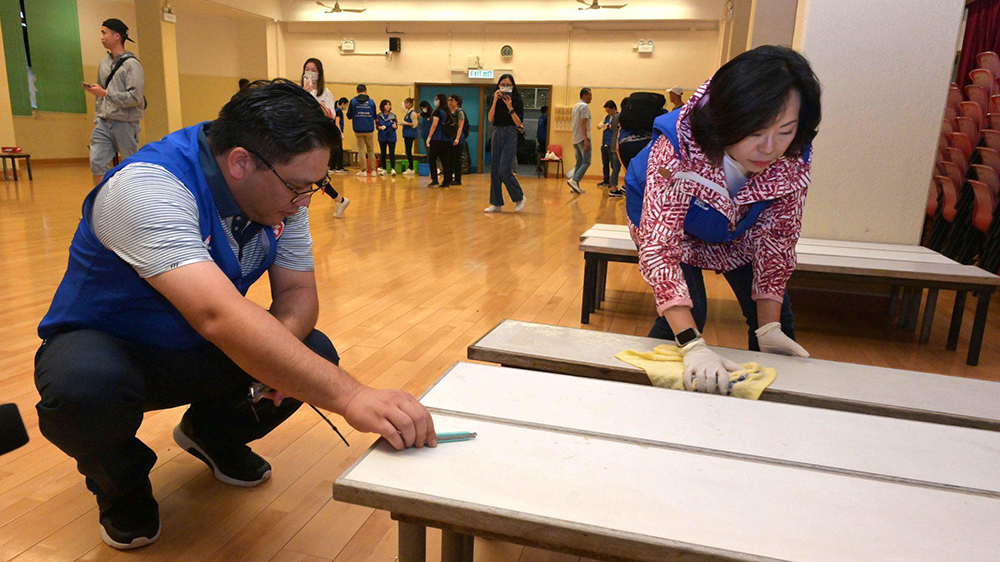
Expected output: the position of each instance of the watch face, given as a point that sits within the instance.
(506, 51)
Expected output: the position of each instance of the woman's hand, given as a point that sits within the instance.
(510, 102)
(428, 143)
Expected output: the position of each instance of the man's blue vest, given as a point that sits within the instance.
(100, 291)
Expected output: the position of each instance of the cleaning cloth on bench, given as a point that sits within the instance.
(665, 368)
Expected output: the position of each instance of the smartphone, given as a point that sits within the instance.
(86, 85)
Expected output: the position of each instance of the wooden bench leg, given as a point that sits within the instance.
(589, 287)
(454, 547)
(602, 283)
(412, 542)
(894, 303)
(909, 319)
(13, 167)
(978, 327)
(925, 328)
(956, 320)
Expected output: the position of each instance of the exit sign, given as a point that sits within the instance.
(479, 73)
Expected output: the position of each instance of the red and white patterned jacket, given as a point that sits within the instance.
(769, 244)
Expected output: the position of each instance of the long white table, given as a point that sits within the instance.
(913, 267)
(606, 469)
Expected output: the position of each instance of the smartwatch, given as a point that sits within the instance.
(686, 337)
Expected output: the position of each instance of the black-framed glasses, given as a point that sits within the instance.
(299, 194)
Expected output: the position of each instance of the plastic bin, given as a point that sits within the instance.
(423, 169)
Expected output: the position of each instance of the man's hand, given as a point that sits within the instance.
(455, 143)
(705, 370)
(586, 144)
(96, 90)
(772, 340)
(393, 414)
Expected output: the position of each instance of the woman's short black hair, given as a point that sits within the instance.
(381, 104)
(749, 92)
(457, 98)
(277, 119)
(343, 100)
(610, 104)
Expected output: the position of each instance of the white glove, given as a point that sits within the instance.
(705, 370)
(773, 340)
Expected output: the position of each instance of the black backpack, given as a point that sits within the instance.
(114, 69)
(642, 109)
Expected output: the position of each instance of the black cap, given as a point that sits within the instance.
(119, 27)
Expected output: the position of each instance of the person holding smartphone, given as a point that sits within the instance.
(507, 115)
(314, 82)
(119, 100)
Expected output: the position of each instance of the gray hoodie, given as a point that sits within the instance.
(124, 101)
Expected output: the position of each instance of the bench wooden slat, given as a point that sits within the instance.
(879, 391)
(869, 446)
(613, 498)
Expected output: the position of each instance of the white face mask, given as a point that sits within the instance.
(507, 89)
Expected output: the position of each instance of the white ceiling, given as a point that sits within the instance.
(650, 13)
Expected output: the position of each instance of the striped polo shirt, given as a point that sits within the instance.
(146, 216)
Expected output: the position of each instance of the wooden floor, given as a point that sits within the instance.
(407, 280)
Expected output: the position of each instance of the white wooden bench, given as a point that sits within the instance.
(912, 267)
(833, 385)
(622, 472)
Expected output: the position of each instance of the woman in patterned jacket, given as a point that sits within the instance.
(743, 159)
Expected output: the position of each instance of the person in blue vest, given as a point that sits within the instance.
(387, 123)
(152, 311)
(411, 129)
(722, 186)
(361, 112)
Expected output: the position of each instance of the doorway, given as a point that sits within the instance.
(535, 97)
(470, 104)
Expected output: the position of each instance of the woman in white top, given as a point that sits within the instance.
(314, 83)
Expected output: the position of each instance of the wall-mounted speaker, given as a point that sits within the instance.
(394, 43)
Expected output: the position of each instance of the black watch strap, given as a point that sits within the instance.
(686, 337)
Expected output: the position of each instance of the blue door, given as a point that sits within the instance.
(470, 104)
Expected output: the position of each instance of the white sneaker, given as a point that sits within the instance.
(381, 171)
(361, 172)
(408, 172)
(575, 186)
(520, 204)
(341, 207)
(341, 171)
(492, 209)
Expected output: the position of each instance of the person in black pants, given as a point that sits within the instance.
(458, 145)
(152, 311)
(411, 130)
(439, 143)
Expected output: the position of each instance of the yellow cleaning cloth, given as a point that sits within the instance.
(665, 368)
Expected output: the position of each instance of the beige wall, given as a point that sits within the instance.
(771, 23)
(885, 78)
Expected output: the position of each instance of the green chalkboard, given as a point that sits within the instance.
(56, 59)
(13, 49)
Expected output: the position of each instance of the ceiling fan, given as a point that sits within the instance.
(336, 9)
(595, 5)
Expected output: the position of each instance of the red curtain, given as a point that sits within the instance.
(982, 33)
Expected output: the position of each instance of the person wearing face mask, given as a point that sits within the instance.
(387, 124)
(507, 115)
(313, 82)
(438, 142)
(725, 180)
(458, 144)
(411, 127)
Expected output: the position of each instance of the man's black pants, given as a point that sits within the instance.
(95, 388)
